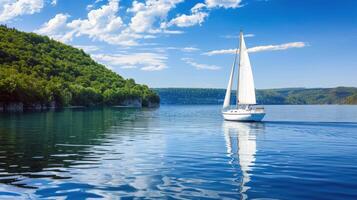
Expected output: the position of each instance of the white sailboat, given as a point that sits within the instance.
(245, 109)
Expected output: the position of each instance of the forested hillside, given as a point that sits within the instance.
(339, 95)
(38, 71)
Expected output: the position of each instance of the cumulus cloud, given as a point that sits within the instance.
(10, 9)
(146, 14)
(57, 28)
(189, 20)
(259, 48)
(148, 20)
(90, 6)
(144, 61)
(200, 66)
(105, 24)
(197, 16)
(199, 13)
(100, 23)
(198, 7)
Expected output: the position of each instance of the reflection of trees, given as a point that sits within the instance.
(33, 144)
(241, 140)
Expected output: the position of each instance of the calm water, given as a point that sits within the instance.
(179, 152)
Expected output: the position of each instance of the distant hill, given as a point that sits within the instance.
(36, 71)
(339, 95)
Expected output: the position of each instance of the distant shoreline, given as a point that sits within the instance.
(281, 96)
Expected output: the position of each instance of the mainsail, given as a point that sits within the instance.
(246, 89)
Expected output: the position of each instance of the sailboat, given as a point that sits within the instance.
(245, 109)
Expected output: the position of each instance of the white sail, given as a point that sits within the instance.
(246, 89)
(227, 98)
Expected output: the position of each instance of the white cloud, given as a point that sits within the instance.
(101, 23)
(54, 2)
(146, 14)
(104, 23)
(199, 13)
(144, 61)
(128, 67)
(90, 6)
(223, 3)
(136, 7)
(277, 47)
(57, 28)
(197, 16)
(198, 7)
(165, 49)
(200, 66)
(259, 48)
(189, 49)
(174, 32)
(10, 9)
(148, 20)
(189, 20)
(88, 48)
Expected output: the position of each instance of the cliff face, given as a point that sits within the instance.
(135, 103)
(20, 107)
(36, 71)
(12, 107)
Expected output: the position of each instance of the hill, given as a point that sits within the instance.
(339, 95)
(37, 72)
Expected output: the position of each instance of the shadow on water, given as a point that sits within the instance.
(241, 147)
(46, 144)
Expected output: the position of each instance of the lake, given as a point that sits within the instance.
(179, 152)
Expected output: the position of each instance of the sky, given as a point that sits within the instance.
(189, 43)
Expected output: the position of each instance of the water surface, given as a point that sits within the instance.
(179, 152)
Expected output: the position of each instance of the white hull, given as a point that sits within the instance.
(243, 115)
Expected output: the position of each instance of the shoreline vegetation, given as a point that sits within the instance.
(38, 73)
(283, 96)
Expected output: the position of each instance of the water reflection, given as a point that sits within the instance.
(241, 148)
(47, 144)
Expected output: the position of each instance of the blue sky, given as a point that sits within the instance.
(188, 43)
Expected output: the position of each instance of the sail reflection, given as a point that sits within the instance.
(241, 147)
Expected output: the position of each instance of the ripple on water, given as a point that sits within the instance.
(178, 152)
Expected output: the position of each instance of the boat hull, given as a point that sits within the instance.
(243, 117)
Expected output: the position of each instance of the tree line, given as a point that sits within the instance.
(35, 69)
(338, 95)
